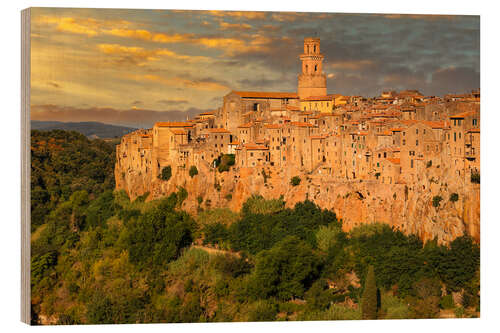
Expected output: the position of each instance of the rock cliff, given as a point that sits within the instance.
(407, 207)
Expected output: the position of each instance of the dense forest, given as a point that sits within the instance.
(98, 257)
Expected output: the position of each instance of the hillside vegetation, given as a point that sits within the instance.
(100, 258)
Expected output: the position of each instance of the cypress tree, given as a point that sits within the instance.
(369, 299)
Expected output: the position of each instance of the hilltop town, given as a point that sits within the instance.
(401, 158)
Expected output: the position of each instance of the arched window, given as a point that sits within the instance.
(314, 48)
(307, 68)
(315, 68)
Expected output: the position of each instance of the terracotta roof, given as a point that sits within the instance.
(463, 114)
(259, 94)
(247, 125)
(274, 126)
(173, 124)
(399, 129)
(211, 113)
(316, 137)
(317, 98)
(434, 124)
(385, 133)
(394, 160)
(217, 130)
(235, 143)
(292, 108)
(306, 113)
(473, 130)
(301, 124)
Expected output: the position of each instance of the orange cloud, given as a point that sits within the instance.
(352, 65)
(140, 55)
(246, 15)
(83, 26)
(234, 26)
(207, 85)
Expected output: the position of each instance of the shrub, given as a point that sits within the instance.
(166, 173)
(224, 162)
(453, 197)
(263, 311)
(193, 171)
(229, 196)
(199, 199)
(377, 175)
(447, 302)
(459, 312)
(295, 181)
(436, 200)
(475, 177)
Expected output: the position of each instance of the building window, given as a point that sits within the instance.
(455, 136)
(404, 133)
(474, 122)
(251, 154)
(404, 142)
(411, 164)
(416, 131)
(416, 143)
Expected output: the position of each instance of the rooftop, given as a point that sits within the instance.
(260, 94)
(172, 124)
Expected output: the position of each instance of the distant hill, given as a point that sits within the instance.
(89, 129)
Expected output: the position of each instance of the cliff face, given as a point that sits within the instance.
(408, 207)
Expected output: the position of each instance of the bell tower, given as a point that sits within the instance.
(312, 80)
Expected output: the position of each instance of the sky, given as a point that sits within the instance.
(135, 67)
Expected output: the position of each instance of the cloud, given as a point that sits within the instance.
(454, 80)
(234, 26)
(206, 84)
(83, 26)
(172, 102)
(139, 55)
(134, 117)
(245, 15)
(351, 65)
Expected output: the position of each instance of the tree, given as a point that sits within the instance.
(285, 271)
(436, 200)
(193, 171)
(369, 299)
(166, 173)
(453, 197)
(295, 181)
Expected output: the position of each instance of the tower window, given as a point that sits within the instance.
(314, 48)
(315, 68)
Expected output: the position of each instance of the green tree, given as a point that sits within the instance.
(295, 181)
(436, 200)
(285, 271)
(193, 171)
(369, 299)
(166, 173)
(453, 197)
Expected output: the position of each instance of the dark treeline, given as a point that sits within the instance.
(97, 257)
